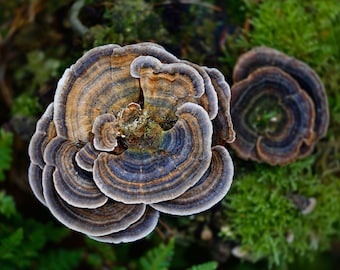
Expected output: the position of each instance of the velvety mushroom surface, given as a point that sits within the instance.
(132, 131)
(279, 107)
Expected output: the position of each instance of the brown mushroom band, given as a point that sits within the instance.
(279, 107)
(133, 131)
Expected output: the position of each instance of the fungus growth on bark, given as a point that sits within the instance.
(131, 133)
(279, 107)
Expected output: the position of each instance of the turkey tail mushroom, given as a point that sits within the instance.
(279, 107)
(131, 128)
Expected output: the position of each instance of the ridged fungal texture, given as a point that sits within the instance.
(279, 107)
(132, 131)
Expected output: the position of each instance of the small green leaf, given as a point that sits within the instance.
(61, 259)
(158, 258)
(204, 266)
(26, 105)
(9, 245)
(7, 205)
(6, 140)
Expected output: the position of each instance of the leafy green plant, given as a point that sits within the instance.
(158, 258)
(61, 259)
(22, 241)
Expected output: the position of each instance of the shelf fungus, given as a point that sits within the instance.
(279, 107)
(132, 132)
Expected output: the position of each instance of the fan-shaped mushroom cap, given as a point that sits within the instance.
(35, 182)
(86, 156)
(74, 185)
(108, 218)
(45, 131)
(99, 82)
(166, 86)
(209, 99)
(131, 126)
(105, 132)
(280, 141)
(145, 225)
(293, 123)
(301, 72)
(223, 126)
(208, 191)
(138, 176)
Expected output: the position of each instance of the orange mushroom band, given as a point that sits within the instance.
(279, 107)
(132, 133)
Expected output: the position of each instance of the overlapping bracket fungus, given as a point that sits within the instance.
(132, 131)
(279, 107)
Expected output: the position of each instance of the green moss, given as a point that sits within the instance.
(266, 117)
(127, 22)
(305, 31)
(263, 218)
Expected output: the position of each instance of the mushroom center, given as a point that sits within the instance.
(138, 129)
(267, 116)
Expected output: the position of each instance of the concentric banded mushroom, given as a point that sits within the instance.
(145, 176)
(207, 192)
(132, 133)
(145, 225)
(45, 131)
(279, 107)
